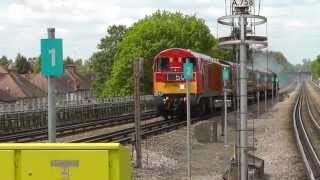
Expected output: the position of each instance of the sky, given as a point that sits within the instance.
(293, 25)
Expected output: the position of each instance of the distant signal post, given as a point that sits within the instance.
(188, 75)
(51, 67)
(225, 76)
(258, 92)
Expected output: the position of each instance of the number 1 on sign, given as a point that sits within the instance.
(52, 52)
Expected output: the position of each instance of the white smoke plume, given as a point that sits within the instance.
(263, 61)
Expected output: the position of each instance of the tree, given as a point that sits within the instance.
(78, 62)
(4, 60)
(22, 65)
(36, 67)
(149, 36)
(85, 68)
(315, 68)
(68, 60)
(102, 61)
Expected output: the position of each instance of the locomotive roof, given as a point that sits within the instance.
(210, 59)
(192, 53)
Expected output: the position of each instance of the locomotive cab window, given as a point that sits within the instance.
(162, 64)
(191, 60)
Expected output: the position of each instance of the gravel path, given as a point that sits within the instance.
(164, 156)
(276, 143)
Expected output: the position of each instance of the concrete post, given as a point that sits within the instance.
(243, 101)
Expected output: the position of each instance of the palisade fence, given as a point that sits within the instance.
(31, 113)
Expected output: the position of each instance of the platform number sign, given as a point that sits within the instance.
(225, 74)
(51, 57)
(188, 71)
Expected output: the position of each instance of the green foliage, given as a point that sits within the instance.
(305, 67)
(102, 61)
(282, 60)
(221, 54)
(85, 68)
(22, 65)
(4, 60)
(68, 60)
(36, 67)
(315, 68)
(148, 37)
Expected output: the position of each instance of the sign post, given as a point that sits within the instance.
(273, 80)
(266, 93)
(188, 75)
(258, 92)
(51, 66)
(277, 88)
(225, 76)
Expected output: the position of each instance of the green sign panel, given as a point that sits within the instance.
(225, 74)
(51, 57)
(187, 70)
(258, 77)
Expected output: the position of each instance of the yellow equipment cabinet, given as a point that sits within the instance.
(64, 162)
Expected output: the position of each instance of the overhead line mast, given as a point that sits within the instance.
(243, 20)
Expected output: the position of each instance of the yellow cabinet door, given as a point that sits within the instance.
(7, 169)
(63, 165)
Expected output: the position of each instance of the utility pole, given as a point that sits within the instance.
(138, 72)
(51, 100)
(242, 17)
(243, 100)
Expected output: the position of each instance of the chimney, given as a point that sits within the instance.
(71, 68)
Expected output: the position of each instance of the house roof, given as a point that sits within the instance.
(5, 97)
(71, 81)
(27, 87)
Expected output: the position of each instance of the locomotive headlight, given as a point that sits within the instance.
(182, 86)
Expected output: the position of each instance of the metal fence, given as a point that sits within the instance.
(33, 114)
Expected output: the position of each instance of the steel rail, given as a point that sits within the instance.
(126, 135)
(309, 156)
(41, 134)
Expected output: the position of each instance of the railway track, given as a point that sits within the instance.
(126, 135)
(42, 133)
(307, 133)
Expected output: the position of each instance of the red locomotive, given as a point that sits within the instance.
(206, 87)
